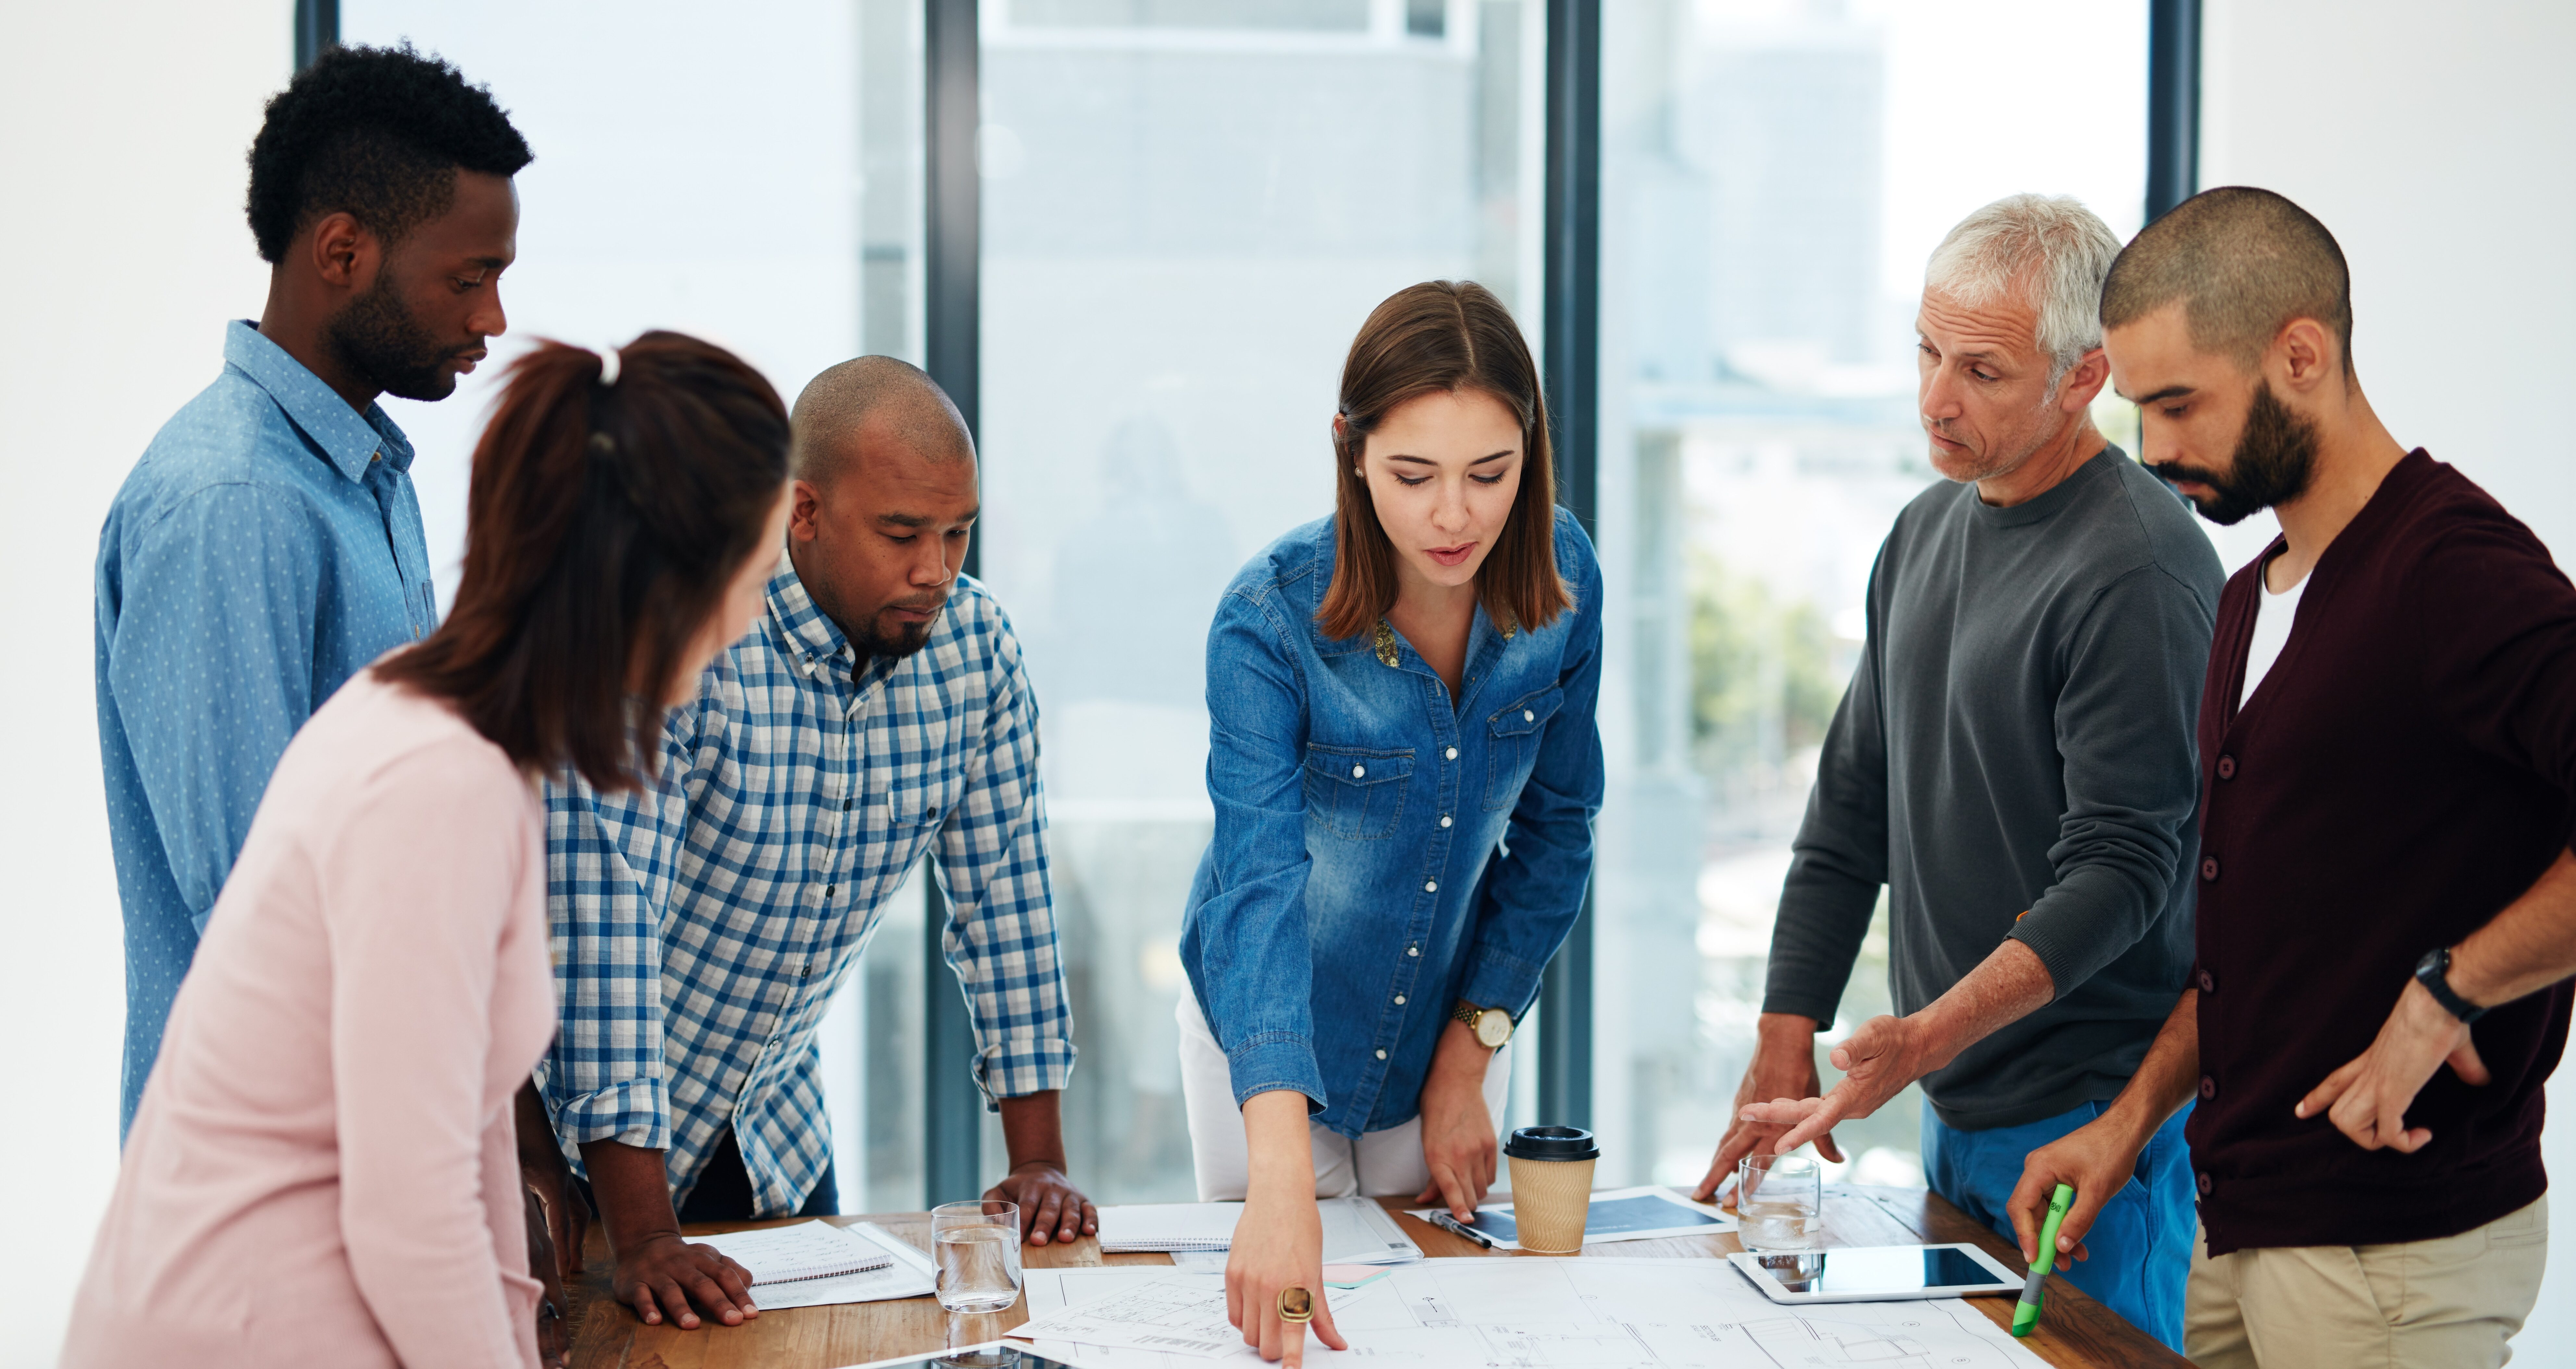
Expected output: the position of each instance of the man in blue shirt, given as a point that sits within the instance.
(268, 545)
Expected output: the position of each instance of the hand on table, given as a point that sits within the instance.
(1278, 1244)
(1457, 1134)
(2367, 1098)
(662, 1275)
(1784, 1066)
(1877, 1062)
(1051, 1208)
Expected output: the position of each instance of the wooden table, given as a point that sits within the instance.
(2077, 1331)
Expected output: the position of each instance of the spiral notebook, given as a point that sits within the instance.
(794, 1254)
(1356, 1231)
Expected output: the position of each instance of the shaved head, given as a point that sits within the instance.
(897, 401)
(2242, 262)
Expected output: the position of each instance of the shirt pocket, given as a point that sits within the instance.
(1512, 749)
(1354, 794)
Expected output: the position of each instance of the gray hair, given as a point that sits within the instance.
(2069, 245)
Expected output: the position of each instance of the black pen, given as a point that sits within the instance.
(1446, 1222)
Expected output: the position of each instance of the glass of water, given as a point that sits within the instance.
(1780, 1202)
(978, 1244)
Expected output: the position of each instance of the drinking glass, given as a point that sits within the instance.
(978, 1244)
(1780, 1202)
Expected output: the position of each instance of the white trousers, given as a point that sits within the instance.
(1380, 1164)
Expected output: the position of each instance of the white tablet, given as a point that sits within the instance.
(1880, 1273)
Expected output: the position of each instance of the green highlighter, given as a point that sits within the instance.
(2026, 1316)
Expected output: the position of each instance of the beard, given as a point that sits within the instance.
(379, 340)
(2275, 457)
(909, 638)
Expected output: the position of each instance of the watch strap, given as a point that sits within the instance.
(2433, 972)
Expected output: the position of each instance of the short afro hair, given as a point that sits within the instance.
(2243, 262)
(378, 133)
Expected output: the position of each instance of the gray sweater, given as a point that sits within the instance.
(2018, 737)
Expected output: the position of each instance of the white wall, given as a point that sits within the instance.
(2438, 142)
(122, 132)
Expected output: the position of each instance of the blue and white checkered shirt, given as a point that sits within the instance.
(700, 929)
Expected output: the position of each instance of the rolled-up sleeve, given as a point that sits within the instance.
(609, 866)
(1536, 889)
(1000, 939)
(1247, 943)
(211, 668)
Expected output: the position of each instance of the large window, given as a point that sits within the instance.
(1189, 207)
(1774, 174)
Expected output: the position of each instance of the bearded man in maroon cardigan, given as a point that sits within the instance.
(2387, 913)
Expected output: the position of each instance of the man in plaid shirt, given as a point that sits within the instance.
(879, 711)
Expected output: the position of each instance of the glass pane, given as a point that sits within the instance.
(1775, 173)
(1190, 206)
(755, 182)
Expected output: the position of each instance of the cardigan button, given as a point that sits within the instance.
(2209, 867)
(2208, 982)
(2227, 767)
(2204, 1183)
(2208, 1088)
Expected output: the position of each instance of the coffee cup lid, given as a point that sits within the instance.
(1552, 1143)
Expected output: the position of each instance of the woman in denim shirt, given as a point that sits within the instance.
(1404, 767)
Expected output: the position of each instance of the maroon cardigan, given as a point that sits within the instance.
(2403, 773)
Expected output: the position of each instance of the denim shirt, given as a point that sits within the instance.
(1380, 854)
(267, 547)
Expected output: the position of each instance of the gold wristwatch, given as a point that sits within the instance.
(1492, 1026)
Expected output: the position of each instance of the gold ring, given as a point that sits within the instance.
(1296, 1306)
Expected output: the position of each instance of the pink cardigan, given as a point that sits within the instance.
(323, 1169)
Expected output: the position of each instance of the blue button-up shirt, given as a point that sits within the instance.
(1380, 854)
(701, 928)
(267, 547)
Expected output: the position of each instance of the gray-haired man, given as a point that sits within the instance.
(2014, 762)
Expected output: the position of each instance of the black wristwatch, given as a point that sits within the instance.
(2430, 972)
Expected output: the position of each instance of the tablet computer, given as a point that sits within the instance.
(1882, 1273)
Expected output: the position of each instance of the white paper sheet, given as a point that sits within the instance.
(782, 1254)
(909, 1274)
(1574, 1313)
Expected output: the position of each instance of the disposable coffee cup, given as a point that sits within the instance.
(1551, 1186)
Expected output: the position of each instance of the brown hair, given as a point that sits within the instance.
(2244, 262)
(602, 525)
(1442, 336)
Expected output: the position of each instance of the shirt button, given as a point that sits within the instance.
(2208, 1087)
(845, 805)
(1358, 770)
(1413, 950)
(1453, 753)
(1431, 886)
(1444, 819)
(1399, 1000)
(1528, 717)
(830, 889)
(2209, 867)
(2227, 767)
(2204, 1183)
(1381, 1055)
(2208, 982)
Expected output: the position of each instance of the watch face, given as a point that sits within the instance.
(1493, 1028)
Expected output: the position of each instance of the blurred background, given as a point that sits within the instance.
(1187, 208)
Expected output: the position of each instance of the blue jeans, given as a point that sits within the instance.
(2140, 1245)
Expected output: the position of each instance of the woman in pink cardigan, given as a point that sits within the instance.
(323, 1168)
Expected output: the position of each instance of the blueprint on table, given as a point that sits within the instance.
(1577, 1313)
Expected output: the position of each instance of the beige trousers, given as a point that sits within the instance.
(2451, 1302)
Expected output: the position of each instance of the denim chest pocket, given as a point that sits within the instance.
(1356, 794)
(1512, 748)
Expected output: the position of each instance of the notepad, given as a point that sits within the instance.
(794, 1254)
(1356, 1231)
